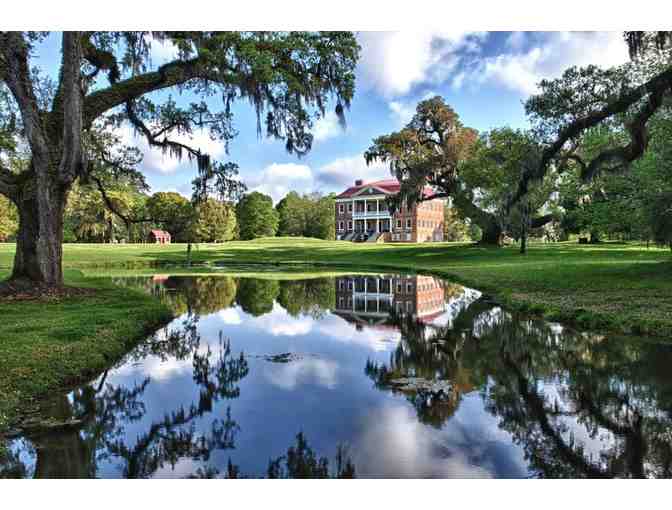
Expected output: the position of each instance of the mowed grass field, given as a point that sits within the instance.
(611, 286)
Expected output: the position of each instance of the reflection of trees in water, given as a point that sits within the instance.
(256, 296)
(430, 353)
(95, 417)
(187, 294)
(605, 390)
(579, 405)
(312, 297)
(300, 461)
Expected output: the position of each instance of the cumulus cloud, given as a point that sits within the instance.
(393, 62)
(402, 111)
(535, 56)
(344, 171)
(327, 127)
(278, 179)
(308, 370)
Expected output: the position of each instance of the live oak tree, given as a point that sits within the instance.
(583, 98)
(497, 161)
(106, 78)
(435, 149)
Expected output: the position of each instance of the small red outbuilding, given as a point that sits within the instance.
(159, 237)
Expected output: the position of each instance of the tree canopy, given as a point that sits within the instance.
(256, 216)
(106, 79)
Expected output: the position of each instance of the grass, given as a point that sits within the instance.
(624, 287)
(47, 346)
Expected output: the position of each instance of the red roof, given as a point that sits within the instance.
(386, 186)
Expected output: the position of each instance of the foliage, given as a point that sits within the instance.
(427, 151)
(174, 213)
(9, 220)
(629, 205)
(306, 216)
(215, 222)
(630, 96)
(454, 227)
(256, 216)
(106, 80)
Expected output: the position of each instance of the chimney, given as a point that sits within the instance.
(359, 182)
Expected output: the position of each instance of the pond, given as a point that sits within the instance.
(364, 375)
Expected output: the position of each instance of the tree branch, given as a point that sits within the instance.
(656, 88)
(203, 160)
(174, 73)
(72, 158)
(17, 77)
(8, 184)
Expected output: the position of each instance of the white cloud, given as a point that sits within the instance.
(394, 62)
(230, 316)
(547, 56)
(327, 127)
(307, 370)
(278, 179)
(344, 171)
(403, 111)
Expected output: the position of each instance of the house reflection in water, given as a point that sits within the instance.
(370, 300)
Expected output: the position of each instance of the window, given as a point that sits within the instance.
(340, 225)
(409, 306)
(398, 223)
(399, 288)
(350, 207)
(341, 208)
(408, 223)
(409, 287)
(341, 285)
(350, 225)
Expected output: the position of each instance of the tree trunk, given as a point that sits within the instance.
(110, 230)
(594, 237)
(493, 235)
(524, 225)
(39, 242)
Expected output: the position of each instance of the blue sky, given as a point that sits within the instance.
(484, 76)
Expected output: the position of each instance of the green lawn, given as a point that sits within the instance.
(49, 345)
(617, 286)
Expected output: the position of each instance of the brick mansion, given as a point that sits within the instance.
(362, 215)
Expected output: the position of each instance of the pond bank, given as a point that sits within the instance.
(50, 345)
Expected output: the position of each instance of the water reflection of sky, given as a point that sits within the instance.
(324, 392)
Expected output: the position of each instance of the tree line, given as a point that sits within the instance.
(88, 219)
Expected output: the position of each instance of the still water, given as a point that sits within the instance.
(358, 375)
